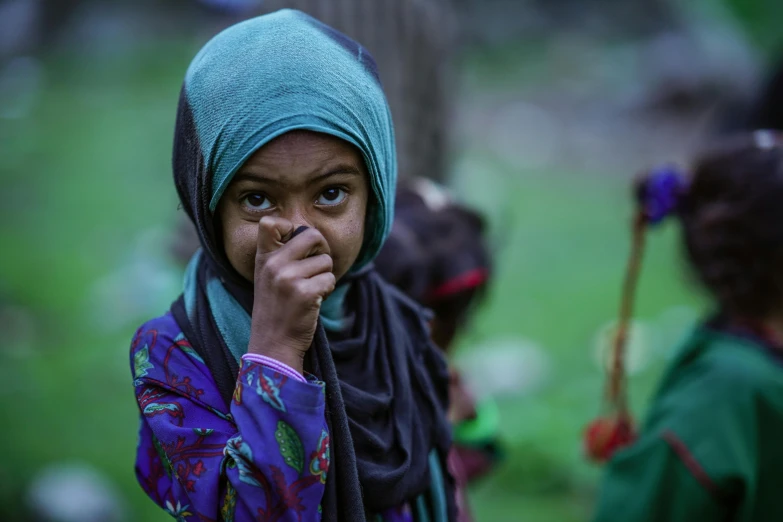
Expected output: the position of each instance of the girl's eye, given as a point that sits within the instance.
(332, 196)
(256, 201)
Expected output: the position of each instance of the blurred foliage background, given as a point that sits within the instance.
(556, 104)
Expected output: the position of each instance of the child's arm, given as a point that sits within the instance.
(266, 460)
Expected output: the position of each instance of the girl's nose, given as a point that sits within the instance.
(298, 216)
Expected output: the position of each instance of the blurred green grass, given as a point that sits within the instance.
(87, 174)
(83, 175)
(760, 19)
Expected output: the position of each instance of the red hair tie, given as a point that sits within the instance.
(464, 281)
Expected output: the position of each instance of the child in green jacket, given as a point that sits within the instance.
(710, 449)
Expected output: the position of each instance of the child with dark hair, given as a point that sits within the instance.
(710, 447)
(437, 254)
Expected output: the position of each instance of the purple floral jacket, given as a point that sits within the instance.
(265, 459)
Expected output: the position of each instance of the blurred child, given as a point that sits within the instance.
(710, 449)
(437, 254)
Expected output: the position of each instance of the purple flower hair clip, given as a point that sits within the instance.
(659, 195)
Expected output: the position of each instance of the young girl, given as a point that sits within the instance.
(710, 449)
(437, 255)
(289, 382)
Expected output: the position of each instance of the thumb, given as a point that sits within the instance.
(273, 233)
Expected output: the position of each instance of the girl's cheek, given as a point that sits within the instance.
(241, 243)
(346, 244)
(248, 247)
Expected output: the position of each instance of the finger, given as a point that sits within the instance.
(273, 232)
(308, 267)
(308, 243)
(320, 285)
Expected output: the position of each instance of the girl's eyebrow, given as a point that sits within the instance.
(333, 171)
(345, 168)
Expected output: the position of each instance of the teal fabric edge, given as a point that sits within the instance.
(437, 494)
(189, 285)
(230, 318)
(332, 310)
(421, 509)
(438, 488)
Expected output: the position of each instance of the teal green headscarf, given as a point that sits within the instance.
(282, 72)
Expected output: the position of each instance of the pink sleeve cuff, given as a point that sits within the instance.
(274, 364)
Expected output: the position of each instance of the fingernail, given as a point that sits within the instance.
(298, 231)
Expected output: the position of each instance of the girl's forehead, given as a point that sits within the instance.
(294, 143)
(300, 156)
(298, 150)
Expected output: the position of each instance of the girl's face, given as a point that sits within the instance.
(308, 178)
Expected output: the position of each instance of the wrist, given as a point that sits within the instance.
(274, 365)
(291, 357)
